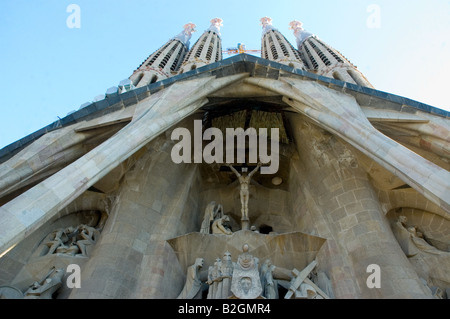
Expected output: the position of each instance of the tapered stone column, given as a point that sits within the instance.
(52, 151)
(340, 114)
(159, 112)
(133, 259)
(340, 204)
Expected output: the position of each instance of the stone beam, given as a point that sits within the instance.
(382, 115)
(432, 136)
(53, 149)
(341, 115)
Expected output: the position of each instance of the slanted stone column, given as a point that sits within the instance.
(133, 259)
(42, 158)
(340, 113)
(341, 205)
(27, 212)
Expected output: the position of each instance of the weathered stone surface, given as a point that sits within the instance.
(315, 232)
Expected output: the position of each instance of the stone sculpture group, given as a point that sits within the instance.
(72, 241)
(246, 279)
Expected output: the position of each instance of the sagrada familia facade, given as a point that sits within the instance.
(285, 176)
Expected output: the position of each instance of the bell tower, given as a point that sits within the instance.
(207, 49)
(248, 178)
(166, 61)
(324, 60)
(275, 47)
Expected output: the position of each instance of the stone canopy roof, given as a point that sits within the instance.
(242, 63)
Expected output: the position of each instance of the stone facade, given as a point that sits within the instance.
(362, 184)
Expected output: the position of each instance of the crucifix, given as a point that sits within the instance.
(244, 180)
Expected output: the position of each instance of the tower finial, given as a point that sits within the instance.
(216, 23)
(299, 32)
(296, 26)
(266, 22)
(186, 34)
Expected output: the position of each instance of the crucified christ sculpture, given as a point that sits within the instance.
(244, 180)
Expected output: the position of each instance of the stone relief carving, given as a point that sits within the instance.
(247, 279)
(212, 212)
(322, 281)
(71, 241)
(215, 280)
(299, 279)
(412, 240)
(328, 151)
(254, 229)
(42, 289)
(268, 284)
(193, 285)
(227, 274)
(347, 159)
(246, 282)
(431, 263)
(218, 226)
(45, 288)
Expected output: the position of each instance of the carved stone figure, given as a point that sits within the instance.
(323, 282)
(254, 229)
(71, 241)
(212, 212)
(302, 278)
(244, 180)
(430, 262)
(269, 285)
(411, 240)
(215, 280)
(208, 218)
(227, 274)
(57, 239)
(210, 282)
(45, 288)
(404, 237)
(246, 283)
(245, 279)
(218, 226)
(422, 244)
(193, 285)
(87, 236)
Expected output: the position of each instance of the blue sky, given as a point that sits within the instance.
(48, 69)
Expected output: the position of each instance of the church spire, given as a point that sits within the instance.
(324, 60)
(275, 47)
(207, 49)
(165, 61)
